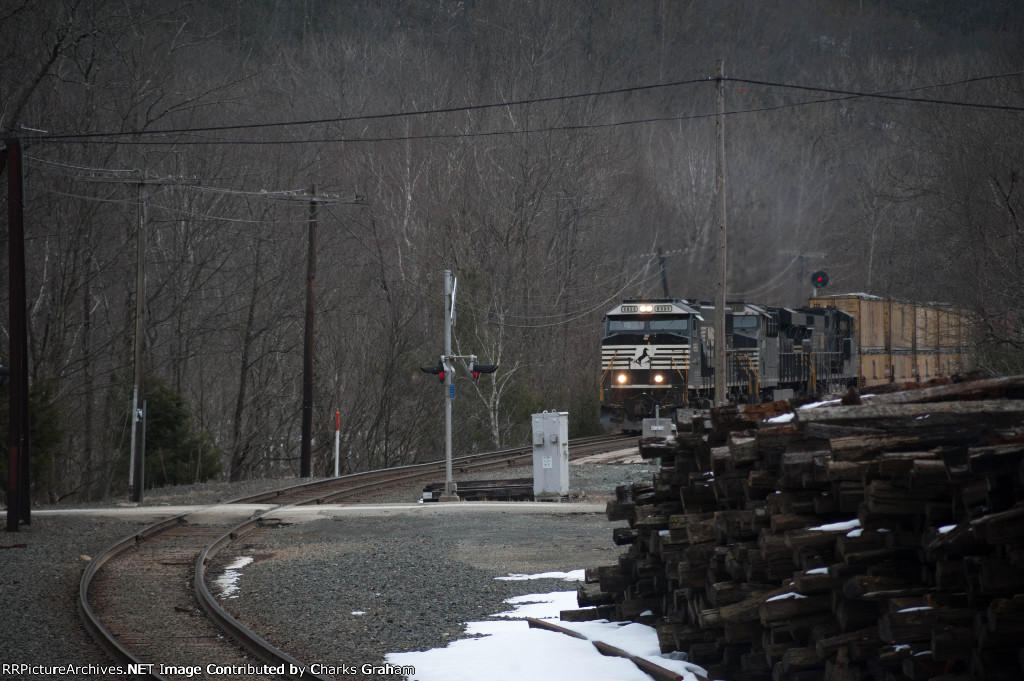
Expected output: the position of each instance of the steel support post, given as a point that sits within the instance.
(449, 383)
(18, 501)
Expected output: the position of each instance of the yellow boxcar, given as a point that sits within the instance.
(900, 341)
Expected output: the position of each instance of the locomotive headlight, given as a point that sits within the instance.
(621, 378)
(658, 378)
(647, 308)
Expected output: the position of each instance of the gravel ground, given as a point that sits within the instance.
(417, 578)
(41, 566)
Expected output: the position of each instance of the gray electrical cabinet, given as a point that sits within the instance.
(659, 428)
(550, 455)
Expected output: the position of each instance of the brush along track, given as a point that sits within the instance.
(144, 598)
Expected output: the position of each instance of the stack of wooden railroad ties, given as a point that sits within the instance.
(877, 537)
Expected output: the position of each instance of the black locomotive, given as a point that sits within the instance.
(658, 356)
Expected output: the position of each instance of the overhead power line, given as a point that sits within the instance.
(372, 117)
(892, 95)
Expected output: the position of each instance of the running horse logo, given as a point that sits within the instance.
(640, 356)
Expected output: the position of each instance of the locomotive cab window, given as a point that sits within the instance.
(677, 326)
(648, 326)
(625, 326)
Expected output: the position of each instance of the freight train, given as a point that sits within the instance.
(657, 355)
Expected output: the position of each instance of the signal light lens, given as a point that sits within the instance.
(436, 369)
(476, 368)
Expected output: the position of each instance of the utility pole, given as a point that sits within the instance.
(306, 463)
(18, 501)
(314, 199)
(136, 464)
(137, 455)
(721, 372)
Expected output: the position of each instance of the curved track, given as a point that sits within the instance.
(159, 574)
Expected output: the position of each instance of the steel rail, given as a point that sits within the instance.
(319, 491)
(466, 462)
(252, 641)
(243, 635)
(103, 636)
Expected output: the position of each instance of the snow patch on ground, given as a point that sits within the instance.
(512, 651)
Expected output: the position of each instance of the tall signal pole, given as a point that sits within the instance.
(721, 373)
(446, 371)
(449, 383)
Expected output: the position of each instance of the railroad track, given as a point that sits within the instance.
(160, 573)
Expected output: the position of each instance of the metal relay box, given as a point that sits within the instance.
(661, 427)
(550, 455)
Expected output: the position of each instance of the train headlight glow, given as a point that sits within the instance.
(658, 378)
(647, 308)
(621, 378)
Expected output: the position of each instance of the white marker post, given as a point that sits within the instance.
(337, 441)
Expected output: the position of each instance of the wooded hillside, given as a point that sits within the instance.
(545, 151)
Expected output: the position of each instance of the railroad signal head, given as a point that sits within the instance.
(819, 279)
(435, 369)
(476, 369)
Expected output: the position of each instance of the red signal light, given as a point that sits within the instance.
(476, 369)
(437, 369)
